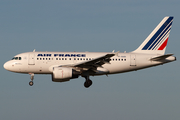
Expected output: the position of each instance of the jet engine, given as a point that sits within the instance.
(63, 74)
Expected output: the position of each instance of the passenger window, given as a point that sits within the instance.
(37, 58)
(69, 58)
(56, 58)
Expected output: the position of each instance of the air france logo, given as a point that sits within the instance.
(61, 55)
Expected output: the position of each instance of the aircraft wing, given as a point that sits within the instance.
(94, 63)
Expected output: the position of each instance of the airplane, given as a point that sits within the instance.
(64, 66)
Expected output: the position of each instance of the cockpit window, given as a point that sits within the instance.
(16, 58)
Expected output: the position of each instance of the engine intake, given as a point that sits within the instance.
(62, 74)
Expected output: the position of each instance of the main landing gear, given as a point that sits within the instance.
(88, 82)
(32, 77)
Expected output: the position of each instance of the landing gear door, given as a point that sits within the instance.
(31, 59)
(133, 60)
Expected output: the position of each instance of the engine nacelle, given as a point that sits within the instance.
(62, 74)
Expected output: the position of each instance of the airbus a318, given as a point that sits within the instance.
(64, 66)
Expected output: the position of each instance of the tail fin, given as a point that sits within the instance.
(156, 42)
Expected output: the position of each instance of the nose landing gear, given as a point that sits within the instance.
(32, 77)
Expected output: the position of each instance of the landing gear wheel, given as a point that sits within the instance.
(88, 83)
(31, 83)
(32, 77)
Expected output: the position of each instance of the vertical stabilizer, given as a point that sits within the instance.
(156, 42)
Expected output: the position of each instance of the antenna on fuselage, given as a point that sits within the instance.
(34, 50)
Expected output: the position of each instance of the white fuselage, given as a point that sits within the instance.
(43, 62)
(64, 66)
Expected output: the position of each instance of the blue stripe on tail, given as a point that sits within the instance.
(164, 32)
(163, 29)
(159, 41)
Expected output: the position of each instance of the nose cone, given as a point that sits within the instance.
(12, 66)
(6, 66)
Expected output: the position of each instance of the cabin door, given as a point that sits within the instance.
(133, 60)
(31, 59)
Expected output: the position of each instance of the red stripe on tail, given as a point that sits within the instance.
(163, 45)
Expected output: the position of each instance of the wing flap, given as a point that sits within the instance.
(97, 62)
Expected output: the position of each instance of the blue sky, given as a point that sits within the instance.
(96, 25)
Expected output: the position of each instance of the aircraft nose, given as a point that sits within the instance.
(6, 66)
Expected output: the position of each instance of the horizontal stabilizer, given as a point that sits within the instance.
(162, 57)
